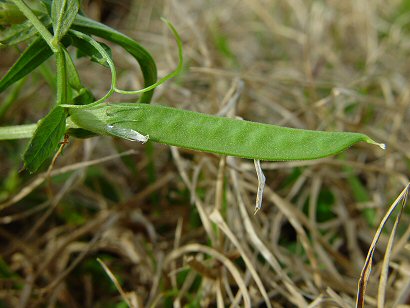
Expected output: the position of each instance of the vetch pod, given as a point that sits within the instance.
(220, 135)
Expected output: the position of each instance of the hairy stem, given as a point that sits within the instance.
(36, 23)
(17, 131)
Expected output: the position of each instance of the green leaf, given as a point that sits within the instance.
(72, 73)
(47, 5)
(21, 32)
(37, 23)
(43, 145)
(63, 13)
(84, 97)
(85, 49)
(33, 56)
(146, 62)
(202, 132)
(10, 14)
(17, 33)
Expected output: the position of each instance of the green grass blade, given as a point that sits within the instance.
(145, 60)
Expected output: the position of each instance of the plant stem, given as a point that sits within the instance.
(17, 131)
(36, 23)
(61, 76)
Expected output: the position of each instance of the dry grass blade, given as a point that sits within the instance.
(178, 232)
(201, 210)
(219, 296)
(218, 220)
(317, 65)
(337, 299)
(365, 274)
(221, 258)
(11, 218)
(288, 210)
(116, 283)
(385, 266)
(220, 184)
(42, 177)
(294, 294)
(76, 261)
(156, 278)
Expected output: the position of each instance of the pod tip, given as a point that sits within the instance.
(381, 145)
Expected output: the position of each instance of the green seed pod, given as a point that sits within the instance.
(214, 134)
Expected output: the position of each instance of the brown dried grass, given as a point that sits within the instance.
(188, 234)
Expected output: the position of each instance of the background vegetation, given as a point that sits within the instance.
(176, 227)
